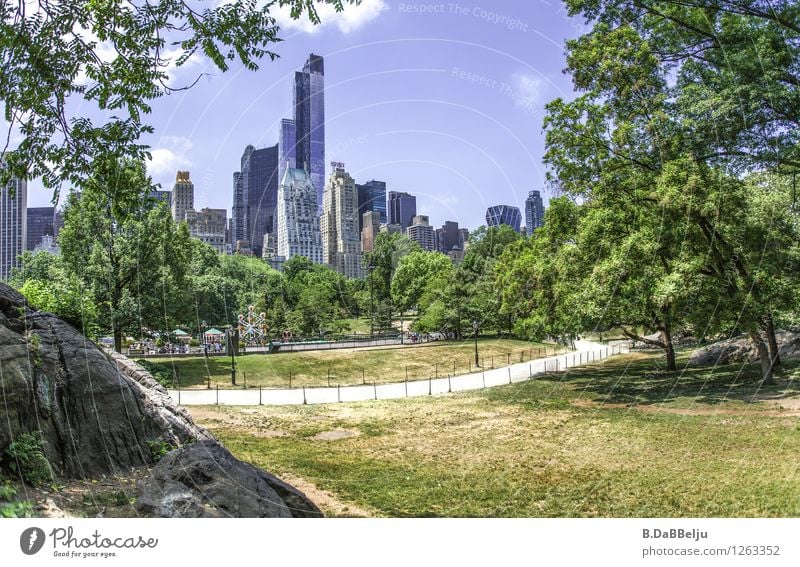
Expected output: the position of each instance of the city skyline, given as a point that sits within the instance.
(452, 120)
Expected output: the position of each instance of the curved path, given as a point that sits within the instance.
(586, 353)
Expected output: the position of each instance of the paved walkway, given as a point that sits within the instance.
(586, 353)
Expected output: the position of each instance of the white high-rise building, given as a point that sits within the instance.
(297, 221)
(13, 224)
(341, 239)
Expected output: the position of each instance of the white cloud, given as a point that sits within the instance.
(529, 91)
(351, 18)
(171, 155)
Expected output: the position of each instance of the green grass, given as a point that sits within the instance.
(617, 439)
(353, 366)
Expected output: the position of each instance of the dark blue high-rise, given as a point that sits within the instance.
(371, 197)
(402, 209)
(309, 121)
(504, 214)
(255, 195)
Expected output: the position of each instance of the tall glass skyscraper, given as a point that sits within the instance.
(40, 223)
(309, 118)
(534, 212)
(504, 214)
(402, 209)
(287, 147)
(13, 224)
(371, 197)
(255, 194)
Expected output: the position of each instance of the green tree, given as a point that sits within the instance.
(642, 133)
(131, 258)
(420, 274)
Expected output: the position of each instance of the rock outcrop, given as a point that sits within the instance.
(100, 413)
(203, 480)
(740, 350)
(92, 418)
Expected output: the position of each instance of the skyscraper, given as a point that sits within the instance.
(208, 225)
(298, 229)
(534, 212)
(39, 224)
(448, 237)
(341, 242)
(13, 224)
(309, 119)
(238, 223)
(182, 196)
(504, 214)
(402, 209)
(372, 197)
(255, 193)
(287, 147)
(421, 232)
(371, 223)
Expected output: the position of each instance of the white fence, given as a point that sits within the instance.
(588, 353)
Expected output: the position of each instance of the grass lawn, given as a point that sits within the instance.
(352, 366)
(617, 439)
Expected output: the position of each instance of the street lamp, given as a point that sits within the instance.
(475, 332)
(231, 332)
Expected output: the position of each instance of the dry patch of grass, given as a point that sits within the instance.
(589, 443)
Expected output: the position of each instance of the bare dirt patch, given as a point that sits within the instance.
(327, 502)
(334, 435)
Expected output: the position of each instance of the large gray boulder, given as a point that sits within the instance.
(741, 350)
(203, 480)
(93, 419)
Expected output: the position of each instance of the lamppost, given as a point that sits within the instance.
(231, 332)
(203, 327)
(475, 332)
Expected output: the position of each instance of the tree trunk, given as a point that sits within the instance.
(669, 348)
(774, 351)
(763, 356)
(118, 339)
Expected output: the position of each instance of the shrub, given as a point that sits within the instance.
(26, 457)
(10, 508)
(158, 449)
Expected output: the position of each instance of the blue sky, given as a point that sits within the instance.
(443, 100)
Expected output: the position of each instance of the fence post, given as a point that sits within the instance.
(338, 393)
(179, 395)
(406, 385)
(329, 377)
(509, 375)
(217, 394)
(530, 371)
(290, 379)
(508, 358)
(406, 372)
(363, 378)
(449, 385)
(259, 395)
(430, 387)
(375, 389)
(483, 377)
(557, 365)
(304, 396)
(454, 368)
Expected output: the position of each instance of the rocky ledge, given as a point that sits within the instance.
(100, 414)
